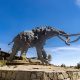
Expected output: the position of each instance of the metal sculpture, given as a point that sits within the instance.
(37, 38)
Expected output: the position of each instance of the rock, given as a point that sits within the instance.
(75, 75)
(65, 75)
(60, 76)
(13, 76)
(8, 75)
(78, 74)
(51, 75)
(33, 76)
(0, 74)
(39, 74)
(3, 75)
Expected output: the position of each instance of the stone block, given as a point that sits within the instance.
(70, 74)
(75, 76)
(67, 79)
(36, 79)
(33, 76)
(8, 75)
(22, 76)
(0, 74)
(65, 75)
(46, 77)
(51, 75)
(3, 75)
(79, 74)
(14, 74)
(55, 77)
(39, 74)
(60, 76)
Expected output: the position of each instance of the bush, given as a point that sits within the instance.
(49, 57)
(78, 66)
(63, 65)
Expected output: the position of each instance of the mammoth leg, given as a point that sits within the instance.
(45, 57)
(23, 51)
(24, 48)
(39, 53)
(44, 54)
(15, 49)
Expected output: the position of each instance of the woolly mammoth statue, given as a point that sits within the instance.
(37, 38)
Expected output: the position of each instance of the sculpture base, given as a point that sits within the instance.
(38, 72)
(32, 69)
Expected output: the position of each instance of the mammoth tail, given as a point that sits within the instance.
(10, 43)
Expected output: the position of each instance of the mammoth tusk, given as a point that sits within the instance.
(66, 41)
(75, 40)
(71, 34)
(61, 38)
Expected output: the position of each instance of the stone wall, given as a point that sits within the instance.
(38, 75)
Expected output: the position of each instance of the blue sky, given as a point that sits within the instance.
(20, 15)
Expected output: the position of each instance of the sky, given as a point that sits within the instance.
(20, 15)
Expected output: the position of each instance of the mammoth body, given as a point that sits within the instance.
(26, 40)
(36, 38)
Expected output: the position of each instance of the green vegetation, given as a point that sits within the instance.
(2, 62)
(77, 66)
(49, 57)
(63, 65)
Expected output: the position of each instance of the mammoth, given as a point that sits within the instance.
(37, 38)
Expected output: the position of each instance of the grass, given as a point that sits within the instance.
(2, 62)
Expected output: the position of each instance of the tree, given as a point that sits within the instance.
(78, 65)
(63, 65)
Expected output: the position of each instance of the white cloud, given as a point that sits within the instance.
(60, 49)
(66, 55)
(78, 3)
